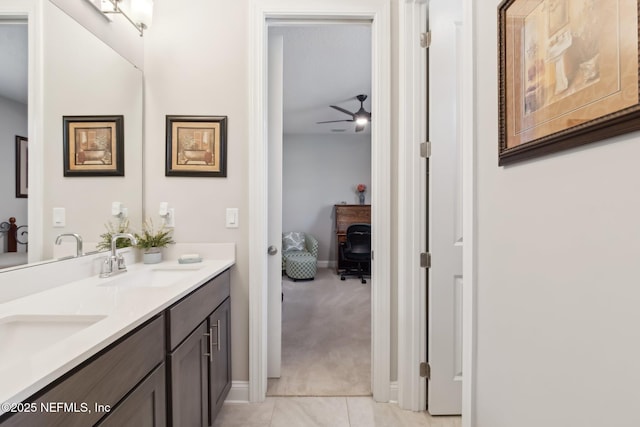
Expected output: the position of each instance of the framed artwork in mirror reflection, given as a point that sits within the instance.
(22, 167)
(93, 145)
(196, 146)
(568, 74)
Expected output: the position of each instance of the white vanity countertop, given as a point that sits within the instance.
(124, 308)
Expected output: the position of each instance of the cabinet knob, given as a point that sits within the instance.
(272, 250)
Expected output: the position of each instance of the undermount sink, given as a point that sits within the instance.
(158, 277)
(22, 335)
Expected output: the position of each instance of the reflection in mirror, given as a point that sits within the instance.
(13, 123)
(81, 76)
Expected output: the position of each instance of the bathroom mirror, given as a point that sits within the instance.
(81, 76)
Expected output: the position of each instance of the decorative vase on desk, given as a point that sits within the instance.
(361, 188)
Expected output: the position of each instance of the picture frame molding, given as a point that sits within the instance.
(612, 124)
(22, 164)
(118, 122)
(171, 168)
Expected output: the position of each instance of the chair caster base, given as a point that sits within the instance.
(363, 281)
(343, 278)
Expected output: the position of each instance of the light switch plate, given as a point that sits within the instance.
(232, 218)
(59, 217)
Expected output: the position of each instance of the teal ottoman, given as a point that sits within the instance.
(300, 265)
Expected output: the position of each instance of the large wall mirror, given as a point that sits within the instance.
(78, 75)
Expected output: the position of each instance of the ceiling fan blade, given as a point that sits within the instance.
(342, 110)
(335, 121)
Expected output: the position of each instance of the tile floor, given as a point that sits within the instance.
(325, 412)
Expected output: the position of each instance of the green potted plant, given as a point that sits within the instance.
(122, 226)
(151, 241)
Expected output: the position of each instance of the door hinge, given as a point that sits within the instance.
(371, 255)
(425, 39)
(425, 260)
(425, 149)
(425, 370)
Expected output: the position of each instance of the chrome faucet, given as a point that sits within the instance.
(78, 241)
(114, 263)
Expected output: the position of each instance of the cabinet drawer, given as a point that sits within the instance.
(144, 406)
(184, 316)
(103, 380)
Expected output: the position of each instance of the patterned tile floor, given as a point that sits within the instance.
(325, 412)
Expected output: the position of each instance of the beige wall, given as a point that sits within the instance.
(196, 63)
(310, 189)
(558, 249)
(83, 77)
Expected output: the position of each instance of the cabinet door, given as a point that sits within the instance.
(144, 407)
(188, 381)
(105, 380)
(220, 326)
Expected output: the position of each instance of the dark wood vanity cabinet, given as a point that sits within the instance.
(189, 380)
(220, 363)
(111, 383)
(174, 370)
(144, 407)
(199, 354)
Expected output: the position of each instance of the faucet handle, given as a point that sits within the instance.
(121, 262)
(105, 268)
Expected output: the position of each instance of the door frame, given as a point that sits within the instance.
(412, 309)
(32, 11)
(378, 12)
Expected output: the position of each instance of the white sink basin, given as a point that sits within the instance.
(158, 277)
(22, 335)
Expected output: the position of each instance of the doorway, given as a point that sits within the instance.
(326, 322)
(379, 16)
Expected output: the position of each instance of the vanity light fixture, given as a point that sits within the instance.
(138, 12)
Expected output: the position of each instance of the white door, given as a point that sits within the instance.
(444, 394)
(274, 308)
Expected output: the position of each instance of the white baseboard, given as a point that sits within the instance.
(393, 392)
(326, 264)
(239, 392)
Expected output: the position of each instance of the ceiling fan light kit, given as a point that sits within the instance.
(361, 117)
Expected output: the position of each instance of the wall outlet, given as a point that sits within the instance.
(116, 209)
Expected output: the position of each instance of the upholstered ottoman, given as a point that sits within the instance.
(300, 265)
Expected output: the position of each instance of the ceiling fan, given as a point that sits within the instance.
(361, 117)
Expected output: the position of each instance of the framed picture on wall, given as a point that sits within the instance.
(568, 74)
(22, 167)
(196, 146)
(93, 145)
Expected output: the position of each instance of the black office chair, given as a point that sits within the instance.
(357, 250)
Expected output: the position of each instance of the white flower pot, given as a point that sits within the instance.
(153, 256)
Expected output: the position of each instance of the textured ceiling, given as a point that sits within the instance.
(324, 65)
(13, 57)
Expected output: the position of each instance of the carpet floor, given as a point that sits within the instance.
(326, 337)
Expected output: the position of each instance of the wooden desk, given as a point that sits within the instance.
(345, 216)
